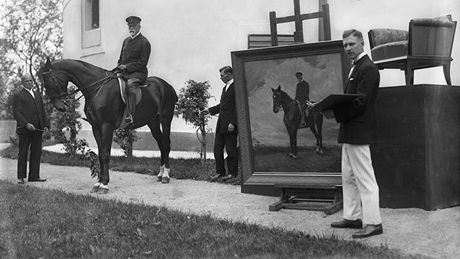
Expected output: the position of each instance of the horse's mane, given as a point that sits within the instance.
(285, 95)
(72, 62)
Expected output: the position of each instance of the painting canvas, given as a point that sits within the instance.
(263, 135)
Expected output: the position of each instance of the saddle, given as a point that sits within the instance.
(122, 83)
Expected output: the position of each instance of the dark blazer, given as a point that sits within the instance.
(226, 110)
(135, 54)
(302, 92)
(27, 109)
(358, 124)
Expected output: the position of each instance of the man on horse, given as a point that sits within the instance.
(132, 64)
(302, 95)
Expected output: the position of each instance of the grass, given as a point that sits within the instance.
(38, 223)
(180, 168)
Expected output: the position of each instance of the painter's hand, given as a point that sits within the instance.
(310, 104)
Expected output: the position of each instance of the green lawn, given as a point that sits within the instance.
(180, 168)
(37, 223)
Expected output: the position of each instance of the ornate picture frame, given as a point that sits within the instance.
(263, 139)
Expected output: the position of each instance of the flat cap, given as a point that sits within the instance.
(133, 20)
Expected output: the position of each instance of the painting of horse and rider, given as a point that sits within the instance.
(286, 136)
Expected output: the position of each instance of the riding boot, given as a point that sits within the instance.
(131, 104)
(302, 117)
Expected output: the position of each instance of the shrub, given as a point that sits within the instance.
(125, 139)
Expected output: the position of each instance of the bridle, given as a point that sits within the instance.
(64, 95)
(280, 101)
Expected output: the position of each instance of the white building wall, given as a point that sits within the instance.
(192, 39)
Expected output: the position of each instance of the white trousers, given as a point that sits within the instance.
(360, 189)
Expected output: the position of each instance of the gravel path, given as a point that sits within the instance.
(413, 231)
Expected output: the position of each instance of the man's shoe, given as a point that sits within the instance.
(346, 223)
(235, 181)
(38, 180)
(369, 230)
(21, 181)
(228, 177)
(215, 178)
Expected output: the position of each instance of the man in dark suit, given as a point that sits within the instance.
(357, 132)
(226, 129)
(132, 64)
(302, 94)
(29, 112)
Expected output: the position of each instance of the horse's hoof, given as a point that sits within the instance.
(292, 155)
(96, 187)
(159, 178)
(103, 191)
(165, 180)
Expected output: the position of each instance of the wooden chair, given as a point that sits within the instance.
(428, 43)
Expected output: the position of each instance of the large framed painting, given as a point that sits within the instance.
(266, 86)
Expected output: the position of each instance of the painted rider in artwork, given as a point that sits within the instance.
(302, 95)
(132, 64)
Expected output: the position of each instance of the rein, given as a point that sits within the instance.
(98, 83)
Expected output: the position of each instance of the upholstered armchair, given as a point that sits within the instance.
(428, 43)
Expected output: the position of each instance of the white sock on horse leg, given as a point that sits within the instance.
(162, 170)
(97, 184)
(166, 172)
(103, 186)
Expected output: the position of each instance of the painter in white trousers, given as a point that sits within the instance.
(360, 189)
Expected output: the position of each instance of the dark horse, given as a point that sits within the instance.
(292, 120)
(104, 107)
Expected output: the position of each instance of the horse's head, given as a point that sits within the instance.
(277, 96)
(55, 85)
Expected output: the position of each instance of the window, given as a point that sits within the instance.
(91, 30)
(91, 14)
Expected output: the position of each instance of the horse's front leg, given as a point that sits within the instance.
(293, 142)
(104, 157)
(98, 137)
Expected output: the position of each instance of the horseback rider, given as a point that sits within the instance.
(302, 95)
(132, 64)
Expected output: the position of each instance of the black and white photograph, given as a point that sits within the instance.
(229, 129)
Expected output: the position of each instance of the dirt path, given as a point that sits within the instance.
(413, 231)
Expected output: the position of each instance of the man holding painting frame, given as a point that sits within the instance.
(357, 120)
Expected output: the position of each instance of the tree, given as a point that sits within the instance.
(32, 30)
(192, 99)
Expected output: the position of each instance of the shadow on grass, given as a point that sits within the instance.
(53, 224)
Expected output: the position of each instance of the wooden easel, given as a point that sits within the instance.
(298, 18)
(321, 197)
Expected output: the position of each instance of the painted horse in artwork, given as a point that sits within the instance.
(104, 108)
(292, 120)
